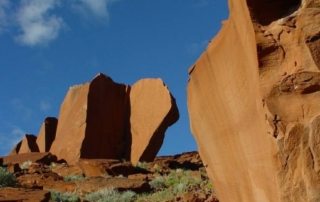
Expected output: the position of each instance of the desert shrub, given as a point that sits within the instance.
(158, 183)
(110, 195)
(159, 196)
(64, 197)
(25, 165)
(7, 179)
(73, 178)
(178, 181)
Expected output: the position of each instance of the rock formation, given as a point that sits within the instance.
(253, 102)
(27, 145)
(47, 134)
(153, 110)
(93, 121)
(106, 120)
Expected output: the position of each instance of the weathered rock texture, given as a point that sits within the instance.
(153, 110)
(253, 99)
(106, 120)
(47, 134)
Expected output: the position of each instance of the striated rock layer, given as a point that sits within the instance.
(253, 100)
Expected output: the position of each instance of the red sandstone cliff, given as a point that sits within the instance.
(253, 102)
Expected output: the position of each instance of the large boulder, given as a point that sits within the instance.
(253, 100)
(93, 121)
(47, 134)
(153, 110)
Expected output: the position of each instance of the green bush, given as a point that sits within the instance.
(174, 184)
(7, 179)
(73, 178)
(110, 195)
(64, 197)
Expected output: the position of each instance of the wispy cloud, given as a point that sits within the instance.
(20, 107)
(4, 4)
(10, 139)
(38, 26)
(98, 8)
(45, 106)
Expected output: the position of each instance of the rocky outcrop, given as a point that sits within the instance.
(153, 110)
(253, 102)
(102, 119)
(47, 134)
(28, 144)
(44, 158)
(106, 120)
(93, 121)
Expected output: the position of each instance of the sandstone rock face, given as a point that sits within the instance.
(106, 120)
(153, 110)
(93, 121)
(253, 102)
(47, 134)
(28, 145)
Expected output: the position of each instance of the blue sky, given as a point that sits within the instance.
(48, 45)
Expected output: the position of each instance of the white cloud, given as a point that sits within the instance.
(37, 25)
(4, 4)
(45, 106)
(98, 8)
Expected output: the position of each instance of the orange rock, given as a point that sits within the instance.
(28, 145)
(153, 110)
(93, 121)
(47, 134)
(44, 158)
(106, 120)
(253, 101)
(16, 149)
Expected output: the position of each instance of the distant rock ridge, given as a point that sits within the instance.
(102, 119)
(253, 101)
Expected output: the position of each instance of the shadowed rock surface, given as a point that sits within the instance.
(106, 120)
(153, 110)
(28, 144)
(47, 134)
(253, 100)
(93, 121)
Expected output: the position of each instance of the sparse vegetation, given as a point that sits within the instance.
(174, 184)
(7, 179)
(73, 178)
(142, 165)
(64, 197)
(111, 195)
